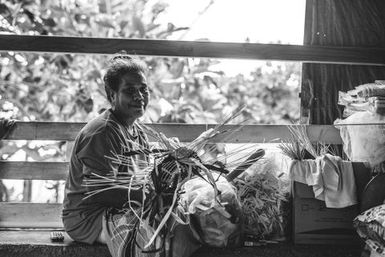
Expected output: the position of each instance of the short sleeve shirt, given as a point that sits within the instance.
(99, 141)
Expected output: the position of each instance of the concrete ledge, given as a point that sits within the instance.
(37, 244)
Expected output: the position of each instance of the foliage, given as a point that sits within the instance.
(68, 87)
(57, 87)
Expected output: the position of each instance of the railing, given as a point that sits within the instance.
(301, 53)
(39, 215)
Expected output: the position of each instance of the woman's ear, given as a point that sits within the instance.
(112, 95)
(112, 98)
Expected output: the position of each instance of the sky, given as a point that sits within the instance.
(260, 21)
(255, 21)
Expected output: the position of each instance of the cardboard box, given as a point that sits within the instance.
(313, 223)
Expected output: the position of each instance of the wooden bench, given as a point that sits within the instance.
(26, 226)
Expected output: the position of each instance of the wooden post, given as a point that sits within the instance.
(348, 23)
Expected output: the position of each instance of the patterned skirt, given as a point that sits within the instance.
(127, 238)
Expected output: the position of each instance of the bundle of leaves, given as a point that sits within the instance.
(299, 146)
(262, 195)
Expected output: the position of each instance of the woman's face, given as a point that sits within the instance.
(130, 100)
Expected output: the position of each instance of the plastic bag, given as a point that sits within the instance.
(371, 89)
(363, 143)
(218, 223)
(366, 97)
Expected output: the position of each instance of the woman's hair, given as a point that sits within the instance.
(118, 66)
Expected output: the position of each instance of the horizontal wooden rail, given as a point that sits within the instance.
(67, 131)
(87, 45)
(33, 170)
(30, 215)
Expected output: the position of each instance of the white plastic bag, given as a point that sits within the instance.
(363, 143)
(219, 220)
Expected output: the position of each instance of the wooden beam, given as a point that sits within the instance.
(30, 215)
(185, 132)
(45, 130)
(33, 170)
(87, 45)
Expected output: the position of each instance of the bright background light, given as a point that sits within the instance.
(254, 21)
(258, 21)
